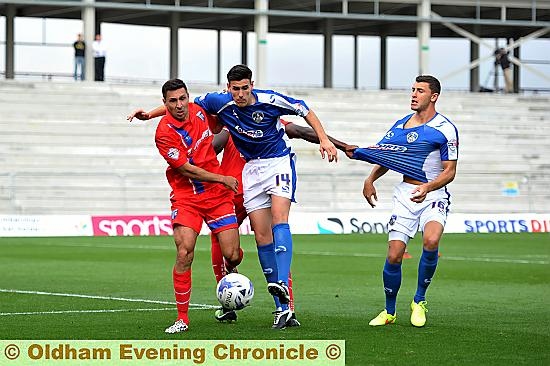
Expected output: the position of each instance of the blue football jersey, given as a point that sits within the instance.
(415, 152)
(256, 129)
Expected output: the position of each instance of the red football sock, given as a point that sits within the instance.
(182, 290)
(217, 258)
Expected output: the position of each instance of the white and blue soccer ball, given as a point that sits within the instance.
(235, 291)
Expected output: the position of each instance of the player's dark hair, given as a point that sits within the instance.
(435, 85)
(173, 84)
(239, 72)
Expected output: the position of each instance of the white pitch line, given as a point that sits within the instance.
(198, 306)
(84, 311)
(444, 257)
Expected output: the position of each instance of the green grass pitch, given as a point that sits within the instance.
(489, 303)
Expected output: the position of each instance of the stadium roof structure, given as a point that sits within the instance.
(473, 19)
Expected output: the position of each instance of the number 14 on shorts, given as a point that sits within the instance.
(282, 179)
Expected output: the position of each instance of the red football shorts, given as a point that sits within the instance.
(240, 211)
(216, 210)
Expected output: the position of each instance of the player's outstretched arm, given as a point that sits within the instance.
(369, 191)
(144, 116)
(220, 140)
(325, 145)
(194, 172)
(295, 131)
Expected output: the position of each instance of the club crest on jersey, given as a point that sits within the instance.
(393, 218)
(174, 214)
(173, 153)
(258, 116)
(389, 135)
(411, 137)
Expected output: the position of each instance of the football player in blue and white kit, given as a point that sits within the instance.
(423, 146)
(269, 176)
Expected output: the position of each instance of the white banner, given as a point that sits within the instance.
(46, 225)
(300, 223)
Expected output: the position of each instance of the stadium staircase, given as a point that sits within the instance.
(68, 149)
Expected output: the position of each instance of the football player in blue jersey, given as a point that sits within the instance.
(423, 146)
(252, 117)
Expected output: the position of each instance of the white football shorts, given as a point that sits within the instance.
(265, 177)
(407, 215)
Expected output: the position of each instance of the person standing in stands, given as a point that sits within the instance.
(79, 59)
(99, 58)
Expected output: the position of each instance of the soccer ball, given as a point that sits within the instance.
(235, 291)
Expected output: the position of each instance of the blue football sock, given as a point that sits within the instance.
(392, 283)
(266, 254)
(283, 250)
(426, 270)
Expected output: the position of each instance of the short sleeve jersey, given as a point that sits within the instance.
(415, 152)
(188, 141)
(256, 129)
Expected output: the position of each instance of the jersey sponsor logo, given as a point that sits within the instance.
(201, 115)
(452, 145)
(255, 134)
(206, 133)
(173, 153)
(389, 135)
(411, 137)
(389, 147)
(258, 116)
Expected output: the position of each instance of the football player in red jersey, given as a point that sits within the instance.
(199, 191)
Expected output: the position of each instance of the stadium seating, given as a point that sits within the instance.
(67, 149)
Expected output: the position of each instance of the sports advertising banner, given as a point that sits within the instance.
(301, 223)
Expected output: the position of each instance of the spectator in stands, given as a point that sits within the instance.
(99, 58)
(423, 146)
(79, 59)
(501, 58)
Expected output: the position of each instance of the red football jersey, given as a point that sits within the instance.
(190, 141)
(233, 162)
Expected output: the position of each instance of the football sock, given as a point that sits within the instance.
(266, 255)
(182, 290)
(392, 283)
(426, 270)
(217, 258)
(283, 249)
(268, 261)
